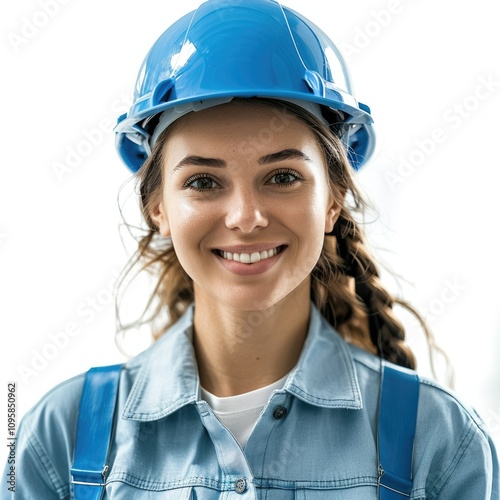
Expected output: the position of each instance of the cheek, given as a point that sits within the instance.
(184, 217)
(189, 225)
(306, 220)
(309, 211)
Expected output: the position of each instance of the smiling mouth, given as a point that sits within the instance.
(250, 258)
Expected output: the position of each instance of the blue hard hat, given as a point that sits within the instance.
(242, 48)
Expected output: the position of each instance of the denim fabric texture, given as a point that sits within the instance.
(169, 445)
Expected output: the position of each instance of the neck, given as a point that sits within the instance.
(239, 351)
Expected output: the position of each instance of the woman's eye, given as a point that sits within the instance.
(201, 183)
(284, 178)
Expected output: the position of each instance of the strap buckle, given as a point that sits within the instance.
(89, 477)
(394, 483)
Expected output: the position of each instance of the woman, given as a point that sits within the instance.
(265, 378)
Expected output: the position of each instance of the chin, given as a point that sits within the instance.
(244, 301)
(260, 299)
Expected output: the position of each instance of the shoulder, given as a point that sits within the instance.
(54, 417)
(47, 433)
(45, 442)
(58, 408)
(446, 417)
(453, 451)
(439, 408)
(435, 400)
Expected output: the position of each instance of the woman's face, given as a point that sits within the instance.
(245, 202)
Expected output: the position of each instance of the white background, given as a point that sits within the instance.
(420, 65)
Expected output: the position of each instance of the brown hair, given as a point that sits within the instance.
(345, 283)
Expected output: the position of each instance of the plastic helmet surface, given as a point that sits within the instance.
(242, 48)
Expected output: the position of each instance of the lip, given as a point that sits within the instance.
(249, 269)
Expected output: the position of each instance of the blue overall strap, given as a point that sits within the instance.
(93, 434)
(396, 431)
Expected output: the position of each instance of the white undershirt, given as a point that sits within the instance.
(240, 413)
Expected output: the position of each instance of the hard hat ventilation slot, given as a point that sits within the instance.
(162, 91)
(315, 83)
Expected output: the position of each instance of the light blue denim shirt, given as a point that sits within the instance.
(170, 445)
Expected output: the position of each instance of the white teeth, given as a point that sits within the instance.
(252, 258)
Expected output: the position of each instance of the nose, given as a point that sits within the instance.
(246, 212)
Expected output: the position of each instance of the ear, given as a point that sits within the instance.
(159, 216)
(333, 212)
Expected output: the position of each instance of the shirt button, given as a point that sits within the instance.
(240, 485)
(280, 412)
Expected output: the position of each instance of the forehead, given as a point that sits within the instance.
(239, 129)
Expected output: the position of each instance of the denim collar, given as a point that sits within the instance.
(167, 378)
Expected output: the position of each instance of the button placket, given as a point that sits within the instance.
(231, 458)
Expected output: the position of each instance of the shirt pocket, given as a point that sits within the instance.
(123, 491)
(352, 493)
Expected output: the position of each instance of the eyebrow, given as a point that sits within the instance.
(286, 154)
(200, 161)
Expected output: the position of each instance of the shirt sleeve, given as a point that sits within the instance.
(45, 444)
(474, 473)
(456, 458)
